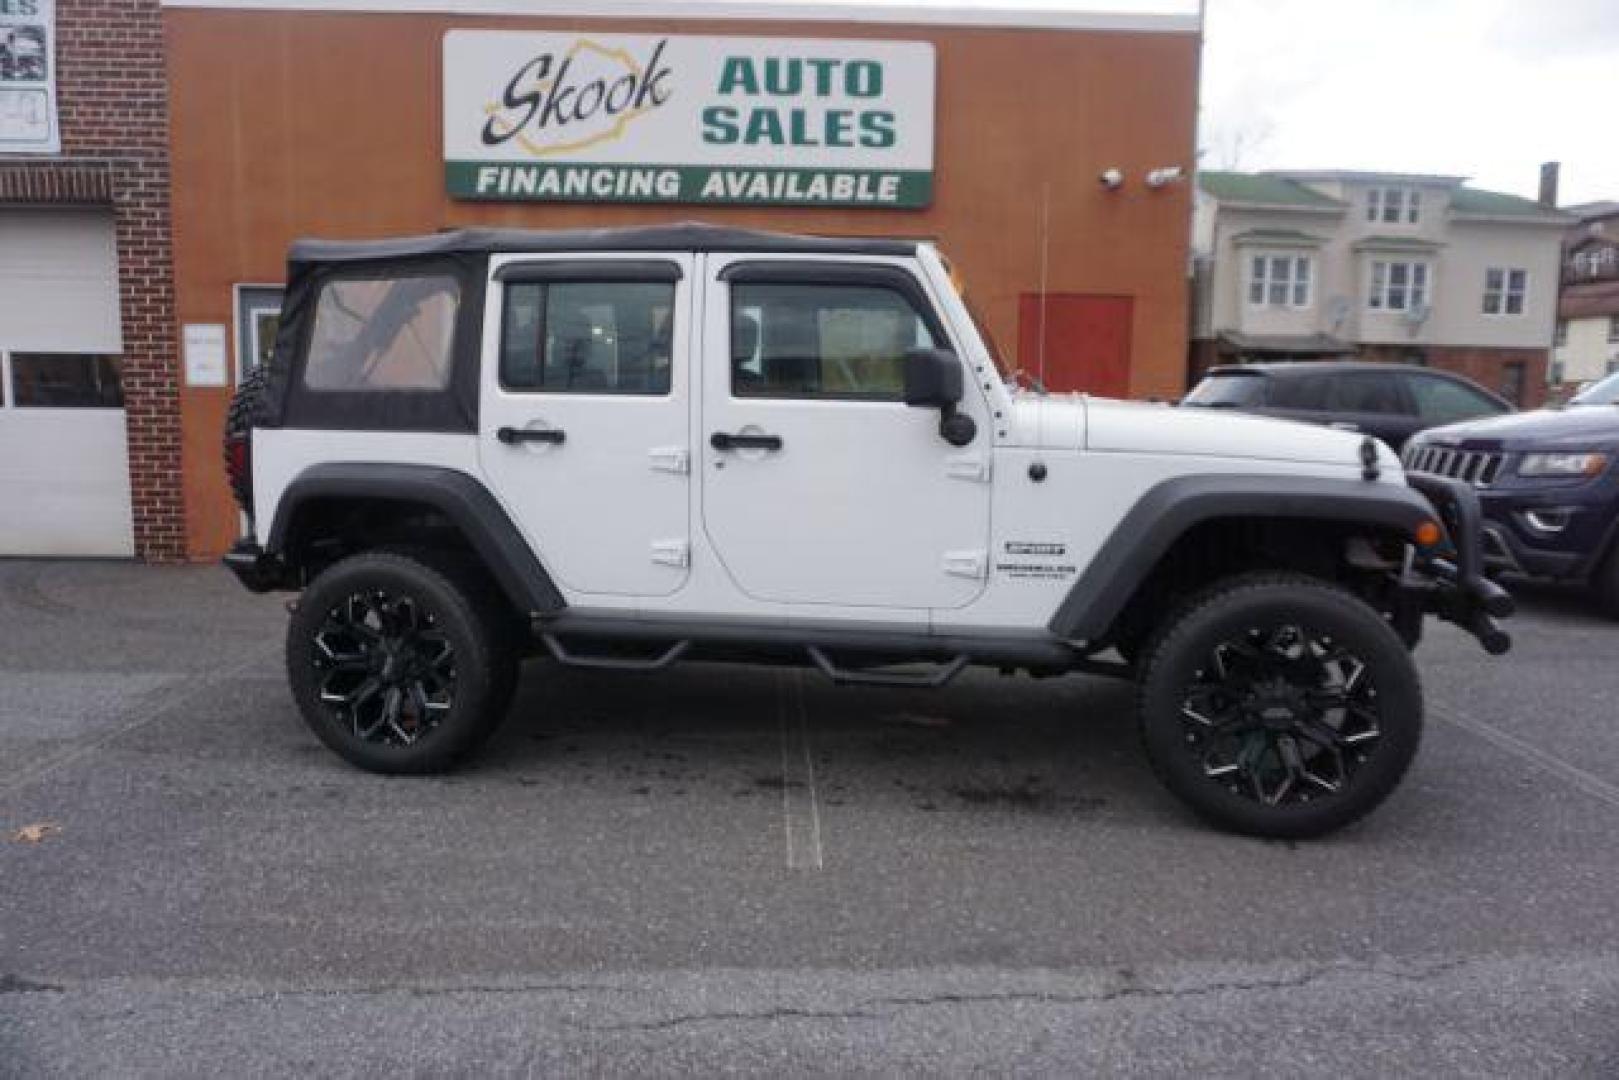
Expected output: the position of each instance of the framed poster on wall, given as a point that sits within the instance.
(28, 77)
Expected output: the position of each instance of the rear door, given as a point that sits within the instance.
(1372, 402)
(584, 415)
(819, 485)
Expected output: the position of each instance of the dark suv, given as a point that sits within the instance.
(1390, 401)
(1549, 485)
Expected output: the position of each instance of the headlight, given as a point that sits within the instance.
(1562, 464)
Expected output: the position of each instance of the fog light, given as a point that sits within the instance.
(1553, 520)
(1428, 534)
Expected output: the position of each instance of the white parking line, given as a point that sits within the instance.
(1592, 785)
(800, 803)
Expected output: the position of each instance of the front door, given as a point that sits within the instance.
(820, 486)
(584, 424)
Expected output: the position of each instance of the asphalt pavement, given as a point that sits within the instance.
(719, 870)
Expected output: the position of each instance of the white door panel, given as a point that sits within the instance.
(862, 505)
(59, 281)
(64, 472)
(607, 508)
(64, 478)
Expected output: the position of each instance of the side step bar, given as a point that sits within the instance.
(929, 680)
(852, 656)
(615, 663)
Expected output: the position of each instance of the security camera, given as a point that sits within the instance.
(1112, 179)
(1172, 174)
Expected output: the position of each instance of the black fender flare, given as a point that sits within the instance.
(461, 498)
(1167, 510)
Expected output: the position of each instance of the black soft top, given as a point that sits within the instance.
(685, 236)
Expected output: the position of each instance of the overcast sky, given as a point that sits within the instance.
(1481, 88)
(1486, 89)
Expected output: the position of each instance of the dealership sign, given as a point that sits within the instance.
(585, 117)
(28, 77)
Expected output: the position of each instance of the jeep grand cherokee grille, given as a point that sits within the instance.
(1476, 467)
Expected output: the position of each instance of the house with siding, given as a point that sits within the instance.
(1381, 266)
(1586, 346)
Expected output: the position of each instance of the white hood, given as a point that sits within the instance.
(1162, 429)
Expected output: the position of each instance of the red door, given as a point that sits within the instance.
(1086, 338)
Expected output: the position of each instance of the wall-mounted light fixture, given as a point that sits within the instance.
(1169, 174)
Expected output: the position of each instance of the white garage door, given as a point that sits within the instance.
(64, 452)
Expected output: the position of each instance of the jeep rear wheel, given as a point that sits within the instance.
(1280, 706)
(395, 663)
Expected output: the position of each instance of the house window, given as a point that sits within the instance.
(1398, 286)
(1279, 281)
(1560, 334)
(1504, 290)
(1392, 205)
(1555, 373)
(1613, 328)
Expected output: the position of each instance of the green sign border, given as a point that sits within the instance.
(914, 187)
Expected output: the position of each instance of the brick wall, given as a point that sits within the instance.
(113, 103)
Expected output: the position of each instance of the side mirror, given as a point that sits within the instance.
(933, 380)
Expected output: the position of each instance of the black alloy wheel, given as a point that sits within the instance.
(401, 662)
(1279, 705)
(384, 668)
(1280, 715)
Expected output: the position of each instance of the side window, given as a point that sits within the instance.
(588, 337)
(1304, 392)
(383, 334)
(1372, 392)
(808, 341)
(1441, 401)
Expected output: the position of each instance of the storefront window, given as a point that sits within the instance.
(65, 381)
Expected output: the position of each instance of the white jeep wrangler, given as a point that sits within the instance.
(625, 448)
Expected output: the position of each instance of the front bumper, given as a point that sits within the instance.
(1450, 582)
(1512, 543)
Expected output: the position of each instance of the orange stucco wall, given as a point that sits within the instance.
(287, 124)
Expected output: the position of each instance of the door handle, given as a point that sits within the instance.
(512, 436)
(724, 440)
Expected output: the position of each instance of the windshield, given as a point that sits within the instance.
(1227, 390)
(1605, 392)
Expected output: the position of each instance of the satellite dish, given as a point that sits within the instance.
(1416, 315)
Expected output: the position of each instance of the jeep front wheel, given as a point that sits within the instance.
(1279, 706)
(395, 663)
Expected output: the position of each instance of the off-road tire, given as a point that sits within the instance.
(463, 611)
(1180, 659)
(240, 419)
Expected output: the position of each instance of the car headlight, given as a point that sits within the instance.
(1562, 464)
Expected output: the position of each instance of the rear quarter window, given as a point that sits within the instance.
(380, 333)
(1444, 401)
